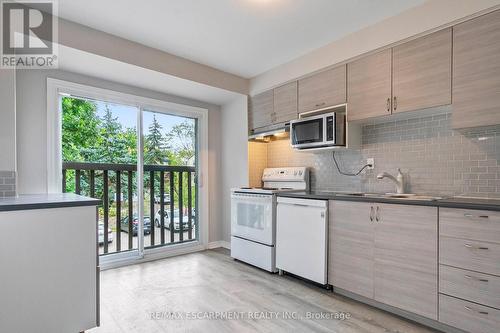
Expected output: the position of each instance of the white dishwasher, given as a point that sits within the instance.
(302, 237)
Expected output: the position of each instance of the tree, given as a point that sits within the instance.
(155, 146)
(183, 138)
(115, 144)
(80, 127)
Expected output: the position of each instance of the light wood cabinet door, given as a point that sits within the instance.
(327, 88)
(285, 103)
(421, 72)
(260, 110)
(406, 258)
(468, 316)
(476, 72)
(350, 260)
(369, 85)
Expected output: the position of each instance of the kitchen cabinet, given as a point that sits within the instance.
(476, 72)
(285, 103)
(49, 264)
(411, 76)
(468, 316)
(406, 252)
(421, 72)
(369, 86)
(260, 110)
(386, 252)
(351, 255)
(469, 267)
(323, 89)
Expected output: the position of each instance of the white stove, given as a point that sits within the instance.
(279, 180)
(253, 215)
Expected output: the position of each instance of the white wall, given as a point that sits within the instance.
(428, 16)
(32, 133)
(7, 120)
(234, 155)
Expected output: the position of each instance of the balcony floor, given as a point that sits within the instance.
(211, 281)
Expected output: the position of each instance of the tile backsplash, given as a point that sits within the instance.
(434, 158)
(7, 184)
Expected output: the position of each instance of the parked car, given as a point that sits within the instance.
(100, 237)
(166, 199)
(185, 219)
(135, 225)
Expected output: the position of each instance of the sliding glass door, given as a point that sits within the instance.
(169, 168)
(142, 162)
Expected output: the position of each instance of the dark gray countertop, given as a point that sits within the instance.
(41, 201)
(451, 202)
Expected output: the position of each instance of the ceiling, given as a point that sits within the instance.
(78, 61)
(242, 37)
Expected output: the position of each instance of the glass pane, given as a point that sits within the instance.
(99, 150)
(170, 194)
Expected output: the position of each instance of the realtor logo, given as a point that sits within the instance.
(28, 36)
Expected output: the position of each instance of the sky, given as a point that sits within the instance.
(127, 116)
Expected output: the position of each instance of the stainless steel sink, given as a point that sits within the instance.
(411, 196)
(406, 196)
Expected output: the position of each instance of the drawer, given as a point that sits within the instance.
(480, 225)
(472, 286)
(477, 256)
(468, 316)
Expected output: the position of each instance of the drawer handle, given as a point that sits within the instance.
(476, 278)
(479, 216)
(470, 246)
(371, 213)
(472, 310)
(377, 215)
(320, 104)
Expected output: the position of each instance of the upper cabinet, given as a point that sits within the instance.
(369, 86)
(285, 103)
(421, 72)
(260, 110)
(411, 76)
(476, 72)
(321, 90)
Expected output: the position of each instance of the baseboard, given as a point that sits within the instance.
(217, 244)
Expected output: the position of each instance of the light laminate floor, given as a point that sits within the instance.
(190, 293)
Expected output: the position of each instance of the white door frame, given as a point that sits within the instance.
(57, 88)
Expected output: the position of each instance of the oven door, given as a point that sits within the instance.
(253, 216)
(309, 132)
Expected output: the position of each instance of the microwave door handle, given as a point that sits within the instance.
(325, 125)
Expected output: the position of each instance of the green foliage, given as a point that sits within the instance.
(155, 146)
(80, 127)
(86, 137)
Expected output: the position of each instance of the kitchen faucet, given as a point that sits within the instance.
(399, 180)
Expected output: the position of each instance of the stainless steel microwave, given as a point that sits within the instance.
(324, 130)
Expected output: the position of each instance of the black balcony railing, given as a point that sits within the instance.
(169, 199)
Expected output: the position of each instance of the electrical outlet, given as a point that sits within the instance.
(370, 161)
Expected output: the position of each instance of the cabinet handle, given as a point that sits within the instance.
(320, 104)
(469, 215)
(389, 104)
(395, 103)
(371, 213)
(472, 310)
(470, 246)
(377, 215)
(475, 278)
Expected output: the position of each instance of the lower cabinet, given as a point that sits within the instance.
(386, 252)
